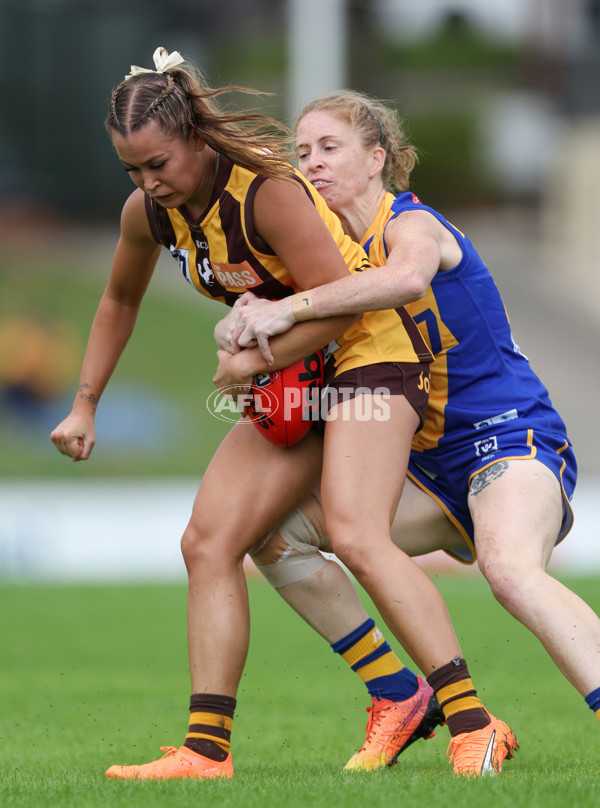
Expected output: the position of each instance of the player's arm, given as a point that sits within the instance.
(418, 246)
(133, 264)
(287, 220)
(300, 341)
(414, 257)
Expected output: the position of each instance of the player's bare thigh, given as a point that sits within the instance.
(517, 512)
(365, 464)
(250, 486)
(420, 525)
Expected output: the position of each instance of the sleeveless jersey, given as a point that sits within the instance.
(223, 256)
(479, 376)
(485, 404)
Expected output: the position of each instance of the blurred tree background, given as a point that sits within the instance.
(500, 98)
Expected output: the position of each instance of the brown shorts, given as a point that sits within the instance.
(408, 379)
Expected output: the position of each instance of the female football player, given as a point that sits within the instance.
(214, 188)
(492, 472)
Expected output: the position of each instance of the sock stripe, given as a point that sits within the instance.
(593, 700)
(367, 645)
(377, 654)
(210, 703)
(204, 730)
(458, 706)
(341, 646)
(211, 733)
(211, 719)
(210, 710)
(455, 690)
(386, 666)
(372, 659)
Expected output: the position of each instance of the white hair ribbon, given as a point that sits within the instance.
(163, 61)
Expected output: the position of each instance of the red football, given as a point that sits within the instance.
(285, 403)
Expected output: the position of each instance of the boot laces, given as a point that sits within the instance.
(168, 750)
(376, 717)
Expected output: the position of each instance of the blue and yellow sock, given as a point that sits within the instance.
(593, 701)
(369, 655)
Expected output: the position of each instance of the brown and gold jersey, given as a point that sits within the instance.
(223, 256)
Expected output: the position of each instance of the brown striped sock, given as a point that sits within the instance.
(209, 732)
(458, 698)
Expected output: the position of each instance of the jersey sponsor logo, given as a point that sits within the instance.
(416, 200)
(230, 276)
(236, 276)
(486, 446)
(509, 415)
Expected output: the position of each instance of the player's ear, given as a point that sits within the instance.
(377, 160)
(198, 142)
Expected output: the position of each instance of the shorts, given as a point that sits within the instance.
(445, 473)
(408, 379)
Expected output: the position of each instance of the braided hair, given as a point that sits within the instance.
(179, 101)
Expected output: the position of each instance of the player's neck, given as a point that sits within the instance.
(196, 206)
(357, 217)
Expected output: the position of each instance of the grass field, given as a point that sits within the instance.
(97, 675)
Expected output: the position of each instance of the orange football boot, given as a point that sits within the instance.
(175, 763)
(484, 750)
(395, 725)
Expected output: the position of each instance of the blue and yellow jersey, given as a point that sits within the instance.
(479, 376)
(222, 256)
(485, 403)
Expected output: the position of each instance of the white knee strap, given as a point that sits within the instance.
(291, 569)
(301, 558)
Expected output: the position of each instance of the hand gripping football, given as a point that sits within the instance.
(285, 403)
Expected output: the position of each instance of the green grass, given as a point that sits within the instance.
(97, 675)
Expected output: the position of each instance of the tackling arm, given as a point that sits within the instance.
(418, 245)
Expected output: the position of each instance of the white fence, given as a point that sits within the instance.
(125, 530)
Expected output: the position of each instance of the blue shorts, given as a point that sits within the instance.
(445, 473)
